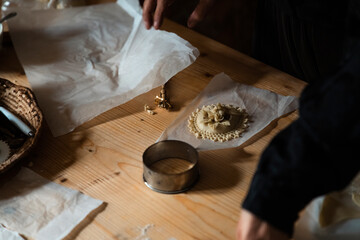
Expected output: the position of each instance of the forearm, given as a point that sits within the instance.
(285, 183)
(282, 187)
(315, 155)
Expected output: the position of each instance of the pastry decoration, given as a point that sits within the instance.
(162, 101)
(148, 110)
(218, 122)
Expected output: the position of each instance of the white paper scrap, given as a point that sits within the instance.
(308, 227)
(40, 209)
(347, 228)
(263, 106)
(6, 234)
(83, 61)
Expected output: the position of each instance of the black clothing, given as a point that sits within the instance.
(308, 39)
(316, 154)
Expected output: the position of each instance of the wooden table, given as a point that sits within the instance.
(103, 157)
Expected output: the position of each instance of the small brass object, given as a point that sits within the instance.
(162, 101)
(148, 110)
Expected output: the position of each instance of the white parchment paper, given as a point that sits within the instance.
(28, 4)
(37, 208)
(263, 106)
(308, 227)
(42, 4)
(83, 61)
(6, 234)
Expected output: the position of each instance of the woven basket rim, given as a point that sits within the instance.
(31, 141)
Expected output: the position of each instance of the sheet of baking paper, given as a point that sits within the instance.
(83, 61)
(29, 4)
(308, 227)
(42, 210)
(262, 106)
(6, 234)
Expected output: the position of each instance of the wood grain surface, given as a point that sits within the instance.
(103, 157)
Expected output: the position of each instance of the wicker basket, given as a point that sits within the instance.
(22, 103)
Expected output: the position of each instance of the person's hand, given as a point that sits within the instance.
(153, 12)
(251, 227)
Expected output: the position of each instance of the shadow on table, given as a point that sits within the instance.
(66, 156)
(84, 223)
(217, 170)
(217, 167)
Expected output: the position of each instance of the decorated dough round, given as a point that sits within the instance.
(218, 122)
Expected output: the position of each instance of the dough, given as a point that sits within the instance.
(218, 122)
(337, 207)
(341, 206)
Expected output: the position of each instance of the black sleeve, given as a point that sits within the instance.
(316, 154)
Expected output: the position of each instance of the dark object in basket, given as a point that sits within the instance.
(10, 134)
(21, 102)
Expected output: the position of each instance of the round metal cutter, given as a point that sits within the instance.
(170, 166)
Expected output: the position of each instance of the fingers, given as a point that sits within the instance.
(153, 12)
(159, 13)
(251, 227)
(200, 12)
(148, 9)
(246, 224)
